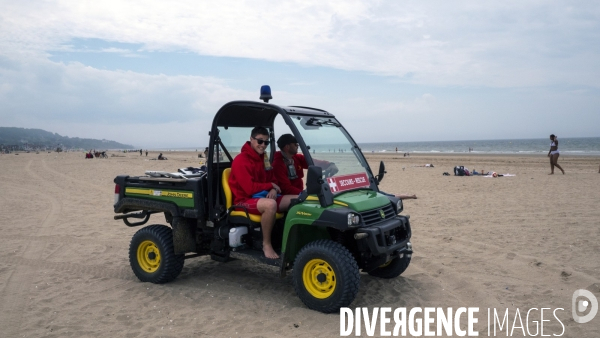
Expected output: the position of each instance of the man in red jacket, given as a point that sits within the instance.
(253, 186)
(289, 165)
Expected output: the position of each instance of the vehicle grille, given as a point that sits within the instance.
(373, 216)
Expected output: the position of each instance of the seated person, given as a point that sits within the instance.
(288, 165)
(251, 173)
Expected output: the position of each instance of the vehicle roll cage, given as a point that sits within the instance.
(251, 114)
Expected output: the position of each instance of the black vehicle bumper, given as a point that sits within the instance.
(391, 237)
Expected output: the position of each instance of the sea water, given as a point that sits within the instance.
(567, 146)
(589, 146)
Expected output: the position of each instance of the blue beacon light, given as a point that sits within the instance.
(265, 93)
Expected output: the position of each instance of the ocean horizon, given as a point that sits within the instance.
(589, 146)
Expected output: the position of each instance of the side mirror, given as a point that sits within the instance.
(314, 178)
(315, 185)
(381, 171)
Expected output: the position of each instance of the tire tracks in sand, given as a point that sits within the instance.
(18, 280)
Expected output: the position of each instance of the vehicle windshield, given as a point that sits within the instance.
(233, 138)
(327, 140)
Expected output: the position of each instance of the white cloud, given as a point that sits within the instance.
(81, 101)
(434, 45)
(510, 43)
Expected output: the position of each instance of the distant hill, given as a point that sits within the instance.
(38, 138)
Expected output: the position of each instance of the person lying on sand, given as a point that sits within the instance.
(480, 173)
(406, 197)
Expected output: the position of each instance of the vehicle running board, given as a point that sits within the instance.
(255, 256)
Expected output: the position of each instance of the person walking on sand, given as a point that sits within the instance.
(553, 154)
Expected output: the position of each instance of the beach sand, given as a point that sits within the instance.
(521, 242)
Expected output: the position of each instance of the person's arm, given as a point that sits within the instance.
(282, 179)
(274, 191)
(275, 188)
(326, 165)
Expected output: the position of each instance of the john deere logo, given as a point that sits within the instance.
(381, 213)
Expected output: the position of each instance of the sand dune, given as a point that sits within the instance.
(521, 242)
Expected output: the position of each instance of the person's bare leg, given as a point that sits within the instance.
(555, 158)
(551, 165)
(284, 205)
(267, 208)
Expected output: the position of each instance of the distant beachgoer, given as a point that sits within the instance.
(482, 172)
(553, 154)
(140, 152)
(396, 149)
(146, 152)
(428, 165)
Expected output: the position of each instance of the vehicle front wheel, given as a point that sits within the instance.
(151, 255)
(392, 269)
(326, 276)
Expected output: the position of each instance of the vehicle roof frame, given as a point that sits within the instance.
(235, 114)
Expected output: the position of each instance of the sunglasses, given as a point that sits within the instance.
(259, 141)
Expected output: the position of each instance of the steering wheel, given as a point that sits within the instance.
(331, 170)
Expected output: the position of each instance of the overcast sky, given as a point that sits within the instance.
(153, 73)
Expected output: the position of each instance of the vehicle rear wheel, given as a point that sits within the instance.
(392, 269)
(326, 276)
(151, 255)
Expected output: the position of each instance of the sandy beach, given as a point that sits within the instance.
(520, 242)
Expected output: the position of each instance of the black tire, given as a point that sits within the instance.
(326, 276)
(392, 269)
(151, 255)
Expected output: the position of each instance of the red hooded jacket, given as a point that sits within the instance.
(289, 187)
(248, 175)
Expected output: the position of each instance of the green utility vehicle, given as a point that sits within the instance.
(339, 225)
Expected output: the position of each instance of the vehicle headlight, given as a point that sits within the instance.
(399, 206)
(353, 219)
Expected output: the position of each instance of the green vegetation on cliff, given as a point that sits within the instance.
(22, 138)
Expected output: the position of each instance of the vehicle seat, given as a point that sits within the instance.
(229, 201)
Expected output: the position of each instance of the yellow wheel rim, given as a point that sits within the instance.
(148, 256)
(386, 264)
(319, 278)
